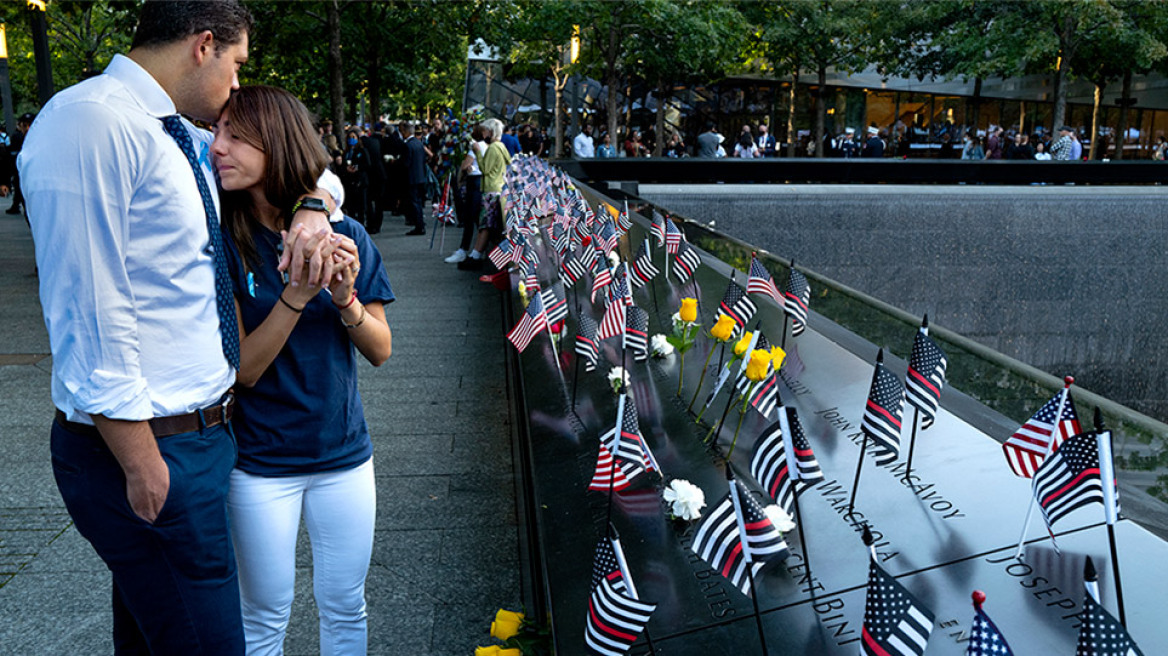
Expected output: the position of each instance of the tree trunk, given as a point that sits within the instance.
(611, 79)
(975, 115)
(1124, 106)
(820, 111)
(662, 98)
(1060, 76)
(559, 108)
(791, 145)
(373, 74)
(1099, 86)
(336, 81)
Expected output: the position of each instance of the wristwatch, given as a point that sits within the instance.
(310, 203)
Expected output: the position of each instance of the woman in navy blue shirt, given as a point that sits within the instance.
(304, 447)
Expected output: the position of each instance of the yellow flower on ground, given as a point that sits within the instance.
(778, 355)
(756, 369)
(508, 615)
(492, 650)
(689, 309)
(742, 344)
(724, 329)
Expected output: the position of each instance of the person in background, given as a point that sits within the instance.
(511, 142)
(304, 447)
(973, 150)
(708, 142)
(355, 174)
(745, 147)
(582, 147)
(471, 205)
(15, 143)
(1021, 148)
(1063, 149)
(416, 156)
(375, 194)
(1040, 153)
(874, 147)
(494, 164)
(530, 141)
(849, 147)
(1076, 147)
(674, 147)
(634, 147)
(1160, 151)
(329, 140)
(605, 150)
(765, 142)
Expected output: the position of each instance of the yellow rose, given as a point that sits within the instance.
(508, 615)
(724, 329)
(689, 309)
(503, 629)
(742, 344)
(493, 650)
(778, 355)
(756, 369)
(508, 652)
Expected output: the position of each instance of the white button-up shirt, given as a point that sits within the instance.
(582, 146)
(127, 276)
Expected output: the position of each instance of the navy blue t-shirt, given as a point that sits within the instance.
(304, 414)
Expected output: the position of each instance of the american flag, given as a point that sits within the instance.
(642, 266)
(444, 208)
(534, 322)
(1027, 447)
(619, 290)
(587, 344)
(895, 622)
(882, 414)
(765, 396)
(571, 269)
(607, 236)
(796, 296)
(613, 322)
(775, 470)
(601, 276)
(1100, 634)
(673, 237)
(632, 454)
(615, 615)
(1069, 478)
(623, 221)
(555, 304)
(686, 263)
(528, 254)
(926, 377)
(607, 477)
(736, 305)
(530, 276)
(588, 255)
(718, 540)
(637, 333)
(760, 281)
(559, 237)
(501, 255)
(985, 639)
(657, 228)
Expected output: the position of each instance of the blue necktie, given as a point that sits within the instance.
(228, 328)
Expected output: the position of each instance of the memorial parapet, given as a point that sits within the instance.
(947, 528)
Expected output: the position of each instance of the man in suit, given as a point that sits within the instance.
(765, 142)
(373, 197)
(416, 156)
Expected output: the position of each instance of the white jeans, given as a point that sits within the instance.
(339, 509)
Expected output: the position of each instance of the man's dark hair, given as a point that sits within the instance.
(165, 21)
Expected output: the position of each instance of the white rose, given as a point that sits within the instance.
(660, 346)
(616, 377)
(779, 518)
(613, 259)
(685, 499)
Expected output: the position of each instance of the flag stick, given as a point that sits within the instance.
(1107, 474)
(575, 382)
(620, 413)
(702, 379)
(442, 242)
(434, 233)
(912, 442)
(859, 468)
(653, 287)
(718, 427)
(1058, 418)
(1091, 579)
(793, 472)
(748, 557)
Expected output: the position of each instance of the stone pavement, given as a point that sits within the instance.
(445, 551)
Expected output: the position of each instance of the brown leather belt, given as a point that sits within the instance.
(212, 415)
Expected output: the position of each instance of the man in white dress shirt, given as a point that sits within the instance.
(143, 355)
(582, 146)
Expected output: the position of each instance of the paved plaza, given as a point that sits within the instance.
(445, 553)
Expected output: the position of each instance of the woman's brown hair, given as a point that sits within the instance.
(275, 122)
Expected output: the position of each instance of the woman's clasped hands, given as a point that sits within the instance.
(326, 259)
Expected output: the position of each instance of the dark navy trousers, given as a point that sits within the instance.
(175, 590)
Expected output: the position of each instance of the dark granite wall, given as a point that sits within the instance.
(1068, 279)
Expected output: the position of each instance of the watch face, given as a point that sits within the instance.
(314, 204)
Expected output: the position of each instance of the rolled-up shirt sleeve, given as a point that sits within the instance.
(79, 169)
